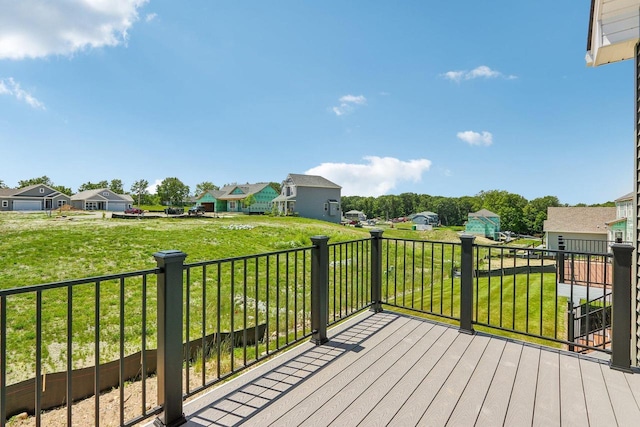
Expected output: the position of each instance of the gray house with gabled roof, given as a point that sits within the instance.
(101, 199)
(37, 197)
(310, 196)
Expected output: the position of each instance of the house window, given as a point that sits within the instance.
(42, 190)
(62, 203)
(232, 206)
(106, 193)
(619, 237)
(5, 203)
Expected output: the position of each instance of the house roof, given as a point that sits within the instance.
(13, 192)
(579, 219)
(628, 196)
(616, 221)
(300, 180)
(613, 31)
(282, 198)
(96, 193)
(483, 213)
(214, 193)
(247, 189)
(425, 213)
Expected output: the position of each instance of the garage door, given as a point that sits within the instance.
(27, 205)
(117, 207)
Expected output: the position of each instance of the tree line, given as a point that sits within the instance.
(516, 213)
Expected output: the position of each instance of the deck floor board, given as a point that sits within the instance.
(389, 369)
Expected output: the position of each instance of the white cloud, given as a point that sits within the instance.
(150, 17)
(153, 188)
(12, 88)
(456, 76)
(479, 72)
(347, 104)
(38, 28)
(474, 138)
(376, 177)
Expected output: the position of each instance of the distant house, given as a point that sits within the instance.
(582, 228)
(101, 199)
(483, 223)
(36, 197)
(211, 201)
(622, 227)
(355, 215)
(233, 198)
(310, 196)
(425, 218)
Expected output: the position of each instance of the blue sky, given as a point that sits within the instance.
(442, 98)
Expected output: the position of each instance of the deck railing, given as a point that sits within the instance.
(212, 319)
(587, 245)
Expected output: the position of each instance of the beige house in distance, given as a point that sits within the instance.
(582, 228)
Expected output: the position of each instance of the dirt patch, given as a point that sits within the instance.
(83, 411)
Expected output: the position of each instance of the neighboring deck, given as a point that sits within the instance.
(390, 369)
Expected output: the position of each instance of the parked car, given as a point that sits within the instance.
(174, 211)
(196, 210)
(136, 211)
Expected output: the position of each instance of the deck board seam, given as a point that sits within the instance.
(473, 372)
(455, 366)
(425, 377)
(363, 371)
(490, 383)
(335, 375)
(385, 370)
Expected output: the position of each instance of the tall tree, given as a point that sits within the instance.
(205, 186)
(93, 186)
(276, 186)
(2, 184)
(508, 206)
(64, 190)
(33, 181)
(139, 188)
(116, 186)
(249, 200)
(535, 213)
(409, 203)
(173, 191)
(447, 209)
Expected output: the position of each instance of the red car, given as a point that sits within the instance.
(133, 211)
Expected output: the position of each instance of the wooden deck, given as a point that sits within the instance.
(389, 369)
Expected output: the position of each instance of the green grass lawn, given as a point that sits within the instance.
(36, 248)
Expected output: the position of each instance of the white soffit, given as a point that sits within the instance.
(614, 30)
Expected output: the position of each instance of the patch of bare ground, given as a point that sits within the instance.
(83, 411)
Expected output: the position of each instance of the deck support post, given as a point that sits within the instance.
(376, 270)
(621, 311)
(466, 285)
(170, 301)
(319, 289)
